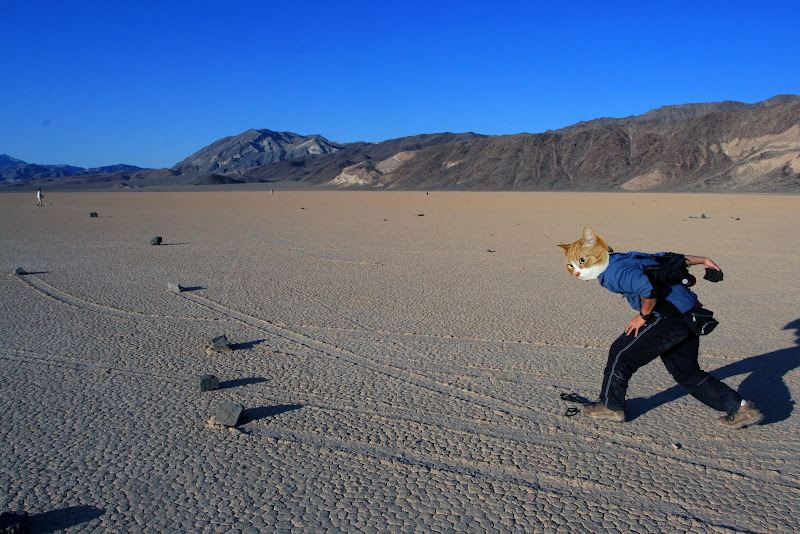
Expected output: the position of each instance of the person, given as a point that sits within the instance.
(662, 327)
(39, 197)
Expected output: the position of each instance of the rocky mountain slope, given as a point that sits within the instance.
(723, 147)
(322, 169)
(675, 114)
(254, 148)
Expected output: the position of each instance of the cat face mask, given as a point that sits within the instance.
(587, 257)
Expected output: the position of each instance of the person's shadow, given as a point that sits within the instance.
(764, 384)
(56, 520)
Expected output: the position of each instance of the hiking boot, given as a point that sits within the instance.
(745, 416)
(598, 410)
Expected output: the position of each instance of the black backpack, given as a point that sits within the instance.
(670, 270)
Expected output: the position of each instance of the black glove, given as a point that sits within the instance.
(713, 275)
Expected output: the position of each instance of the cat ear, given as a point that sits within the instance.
(565, 246)
(589, 237)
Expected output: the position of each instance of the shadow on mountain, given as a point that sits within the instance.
(216, 179)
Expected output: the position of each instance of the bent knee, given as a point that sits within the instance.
(691, 379)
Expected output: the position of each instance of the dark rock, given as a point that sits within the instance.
(220, 344)
(175, 288)
(19, 271)
(92, 214)
(228, 413)
(703, 216)
(13, 522)
(156, 240)
(208, 383)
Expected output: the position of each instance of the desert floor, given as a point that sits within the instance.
(399, 356)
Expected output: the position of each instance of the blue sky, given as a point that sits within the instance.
(149, 83)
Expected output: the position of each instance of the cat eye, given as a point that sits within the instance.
(582, 261)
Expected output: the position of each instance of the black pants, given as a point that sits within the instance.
(673, 340)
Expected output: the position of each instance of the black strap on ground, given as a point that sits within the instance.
(574, 397)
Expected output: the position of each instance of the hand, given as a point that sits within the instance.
(702, 260)
(634, 326)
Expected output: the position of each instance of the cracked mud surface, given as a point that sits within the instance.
(396, 377)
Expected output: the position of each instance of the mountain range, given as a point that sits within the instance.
(714, 147)
(12, 169)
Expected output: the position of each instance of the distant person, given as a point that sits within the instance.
(39, 197)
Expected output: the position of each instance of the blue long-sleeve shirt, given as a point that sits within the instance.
(625, 275)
